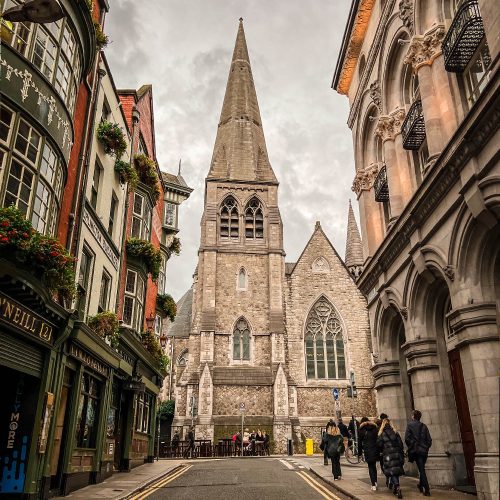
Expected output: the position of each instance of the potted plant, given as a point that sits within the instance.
(144, 250)
(166, 306)
(106, 325)
(112, 138)
(151, 344)
(146, 170)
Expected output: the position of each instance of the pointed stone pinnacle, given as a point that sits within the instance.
(353, 247)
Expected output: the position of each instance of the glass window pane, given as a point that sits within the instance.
(340, 358)
(236, 345)
(320, 358)
(330, 356)
(128, 310)
(310, 357)
(246, 345)
(5, 123)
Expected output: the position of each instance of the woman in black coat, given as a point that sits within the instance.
(334, 446)
(368, 434)
(390, 444)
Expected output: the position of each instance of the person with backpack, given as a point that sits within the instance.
(418, 439)
(368, 433)
(334, 444)
(323, 439)
(390, 444)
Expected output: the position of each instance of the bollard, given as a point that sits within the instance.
(309, 447)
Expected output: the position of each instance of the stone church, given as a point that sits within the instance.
(255, 330)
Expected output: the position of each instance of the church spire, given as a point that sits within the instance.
(353, 247)
(240, 152)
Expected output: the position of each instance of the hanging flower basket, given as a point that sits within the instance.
(145, 251)
(101, 39)
(175, 246)
(146, 170)
(112, 138)
(43, 254)
(166, 306)
(127, 173)
(106, 325)
(151, 344)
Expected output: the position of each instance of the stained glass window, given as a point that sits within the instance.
(241, 341)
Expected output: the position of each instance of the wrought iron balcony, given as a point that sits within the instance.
(463, 38)
(380, 185)
(413, 128)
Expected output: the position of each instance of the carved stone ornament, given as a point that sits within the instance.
(385, 128)
(364, 179)
(424, 49)
(375, 94)
(320, 265)
(397, 116)
(449, 271)
(404, 312)
(406, 13)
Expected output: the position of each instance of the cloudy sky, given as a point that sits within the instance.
(184, 47)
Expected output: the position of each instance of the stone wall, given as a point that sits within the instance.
(258, 400)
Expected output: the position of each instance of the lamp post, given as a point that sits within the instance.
(35, 11)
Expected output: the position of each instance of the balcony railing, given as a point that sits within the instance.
(463, 38)
(380, 186)
(413, 128)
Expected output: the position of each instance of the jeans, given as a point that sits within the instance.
(336, 466)
(420, 462)
(372, 470)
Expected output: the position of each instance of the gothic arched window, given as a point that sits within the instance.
(241, 340)
(229, 218)
(242, 279)
(324, 344)
(254, 219)
(183, 358)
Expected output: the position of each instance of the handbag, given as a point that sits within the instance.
(412, 451)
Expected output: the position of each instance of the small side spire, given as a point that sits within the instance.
(353, 248)
(180, 160)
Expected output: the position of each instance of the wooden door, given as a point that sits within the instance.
(464, 419)
(55, 460)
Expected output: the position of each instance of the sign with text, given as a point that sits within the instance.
(87, 359)
(20, 317)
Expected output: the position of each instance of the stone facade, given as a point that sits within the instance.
(242, 279)
(431, 271)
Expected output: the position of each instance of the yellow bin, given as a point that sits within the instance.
(309, 447)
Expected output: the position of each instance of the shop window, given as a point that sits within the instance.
(33, 173)
(241, 341)
(104, 291)
(112, 214)
(143, 413)
(87, 414)
(133, 302)
(141, 218)
(323, 343)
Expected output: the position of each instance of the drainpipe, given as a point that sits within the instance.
(135, 121)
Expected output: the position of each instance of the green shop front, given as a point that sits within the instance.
(32, 327)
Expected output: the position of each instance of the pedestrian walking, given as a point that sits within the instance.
(390, 443)
(368, 434)
(329, 424)
(175, 443)
(379, 421)
(344, 431)
(334, 444)
(266, 442)
(190, 447)
(418, 439)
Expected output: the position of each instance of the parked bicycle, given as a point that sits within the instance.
(351, 453)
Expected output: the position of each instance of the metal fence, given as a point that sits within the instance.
(205, 448)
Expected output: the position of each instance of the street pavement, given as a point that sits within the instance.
(240, 479)
(273, 478)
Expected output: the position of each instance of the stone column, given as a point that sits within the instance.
(473, 330)
(433, 396)
(423, 50)
(372, 222)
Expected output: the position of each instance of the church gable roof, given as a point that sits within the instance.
(240, 152)
(320, 237)
(181, 327)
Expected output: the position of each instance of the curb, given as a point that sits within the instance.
(148, 482)
(334, 484)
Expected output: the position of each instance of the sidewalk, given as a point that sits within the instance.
(122, 485)
(355, 482)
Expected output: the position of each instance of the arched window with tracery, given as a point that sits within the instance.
(229, 218)
(241, 340)
(324, 343)
(242, 279)
(254, 219)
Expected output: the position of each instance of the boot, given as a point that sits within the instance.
(397, 492)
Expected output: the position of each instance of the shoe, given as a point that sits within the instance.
(374, 487)
(427, 493)
(398, 492)
(335, 478)
(420, 488)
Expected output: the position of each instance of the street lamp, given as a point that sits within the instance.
(35, 11)
(163, 340)
(150, 322)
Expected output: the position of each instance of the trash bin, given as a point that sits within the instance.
(290, 447)
(309, 447)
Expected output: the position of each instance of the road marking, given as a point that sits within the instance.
(325, 492)
(287, 464)
(160, 483)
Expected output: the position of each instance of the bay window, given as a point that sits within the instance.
(133, 302)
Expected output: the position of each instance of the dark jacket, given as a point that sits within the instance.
(343, 429)
(191, 436)
(390, 444)
(368, 433)
(334, 445)
(418, 438)
(351, 430)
